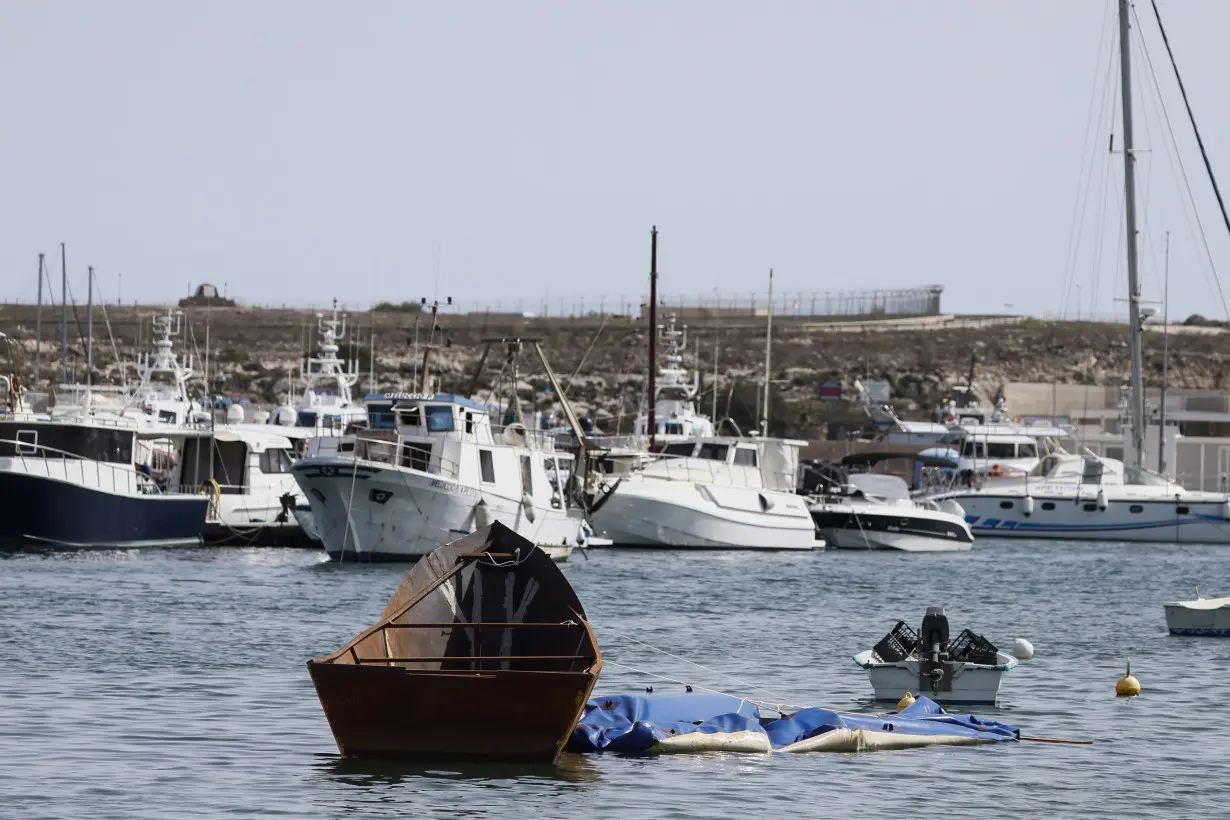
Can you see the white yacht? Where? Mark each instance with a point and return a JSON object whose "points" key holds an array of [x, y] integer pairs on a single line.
{"points": [[701, 490], [1094, 498], [875, 511], [428, 470]]}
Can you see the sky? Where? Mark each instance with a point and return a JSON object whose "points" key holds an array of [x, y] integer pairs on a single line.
{"points": [[295, 151]]}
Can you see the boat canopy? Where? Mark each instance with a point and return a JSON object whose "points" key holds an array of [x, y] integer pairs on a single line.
{"points": [[880, 485]]}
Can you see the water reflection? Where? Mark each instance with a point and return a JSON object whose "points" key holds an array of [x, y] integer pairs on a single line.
{"points": [[368, 773]]}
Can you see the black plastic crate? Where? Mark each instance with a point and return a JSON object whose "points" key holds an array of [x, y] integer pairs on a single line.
{"points": [[898, 644], [973, 648]]}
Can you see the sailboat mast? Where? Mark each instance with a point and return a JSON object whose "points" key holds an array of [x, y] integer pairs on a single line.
{"points": [[768, 349], [64, 315], [1137, 412], [653, 331], [89, 323], [38, 325]]}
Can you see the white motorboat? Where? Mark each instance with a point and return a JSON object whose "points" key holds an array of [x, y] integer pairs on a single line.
{"points": [[1205, 617], [697, 489], [965, 670], [1093, 498], [875, 511], [428, 470]]}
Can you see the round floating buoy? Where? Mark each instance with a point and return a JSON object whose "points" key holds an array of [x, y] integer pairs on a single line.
{"points": [[1128, 686], [1022, 649], [907, 700]]}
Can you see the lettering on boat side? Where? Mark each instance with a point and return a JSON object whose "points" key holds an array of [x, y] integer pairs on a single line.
{"points": [[455, 489]]}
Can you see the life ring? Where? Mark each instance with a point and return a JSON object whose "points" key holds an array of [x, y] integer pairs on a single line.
{"points": [[996, 471]]}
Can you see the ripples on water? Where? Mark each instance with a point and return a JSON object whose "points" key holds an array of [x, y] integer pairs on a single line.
{"points": [[172, 683]]}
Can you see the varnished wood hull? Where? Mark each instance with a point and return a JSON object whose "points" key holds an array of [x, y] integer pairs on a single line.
{"points": [[506, 715]]}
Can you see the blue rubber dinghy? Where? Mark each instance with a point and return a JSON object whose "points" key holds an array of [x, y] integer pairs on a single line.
{"points": [[701, 722]]}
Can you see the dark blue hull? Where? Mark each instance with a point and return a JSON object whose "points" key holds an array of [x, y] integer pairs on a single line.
{"points": [[34, 509]]}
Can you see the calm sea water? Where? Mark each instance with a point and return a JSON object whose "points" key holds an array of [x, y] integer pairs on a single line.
{"points": [[172, 684]]}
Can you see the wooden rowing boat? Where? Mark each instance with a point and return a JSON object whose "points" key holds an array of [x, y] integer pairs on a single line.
{"points": [[484, 652]]}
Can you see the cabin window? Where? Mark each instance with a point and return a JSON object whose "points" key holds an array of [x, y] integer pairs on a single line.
{"points": [[27, 442], [1001, 449], [275, 460], [410, 417], [674, 428], [167, 415], [469, 422], [345, 446], [1005, 505], [1027, 450], [1136, 508], [679, 448], [527, 479], [1182, 510], [486, 466], [381, 420], [307, 418], [416, 456], [973, 449], [714, 452], [1091, 507], [440, 419], [1048, 505], [745, 456]]}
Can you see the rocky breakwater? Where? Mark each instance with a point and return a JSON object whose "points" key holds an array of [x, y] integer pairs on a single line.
{"points": [[256, 353]]}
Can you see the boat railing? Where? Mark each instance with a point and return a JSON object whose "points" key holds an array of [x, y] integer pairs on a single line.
{"points": [[52, 462], [477, 660]]}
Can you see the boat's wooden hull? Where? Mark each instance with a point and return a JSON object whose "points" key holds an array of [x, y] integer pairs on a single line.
{"points": [[507, 715]]}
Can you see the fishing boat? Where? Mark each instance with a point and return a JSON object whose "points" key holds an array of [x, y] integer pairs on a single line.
{"points": [[431, 468], [1205, 617], [80, 484], [966, 669], [326, 406], [483, 652]]}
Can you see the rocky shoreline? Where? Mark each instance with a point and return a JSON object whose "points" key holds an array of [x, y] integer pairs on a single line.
{"points": [[603, 359]]}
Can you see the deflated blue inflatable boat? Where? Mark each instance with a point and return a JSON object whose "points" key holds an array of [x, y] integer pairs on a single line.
{"points": [[702, 722]]}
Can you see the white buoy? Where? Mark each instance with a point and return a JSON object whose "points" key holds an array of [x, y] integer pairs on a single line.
{"points": [[1027, 506], [1022, 649]]}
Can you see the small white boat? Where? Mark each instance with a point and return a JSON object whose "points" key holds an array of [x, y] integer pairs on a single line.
{"points": [[875, 511], [965, 670], [1206, 617]]}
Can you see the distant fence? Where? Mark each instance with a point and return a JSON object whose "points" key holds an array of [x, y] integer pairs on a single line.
{"points": [[919, 301]]}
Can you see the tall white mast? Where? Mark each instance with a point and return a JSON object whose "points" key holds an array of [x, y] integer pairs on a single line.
{"points": [[768, 348], [1137, 408]]}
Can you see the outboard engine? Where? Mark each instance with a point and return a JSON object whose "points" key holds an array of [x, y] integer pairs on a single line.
{"points": [[934, 671]]}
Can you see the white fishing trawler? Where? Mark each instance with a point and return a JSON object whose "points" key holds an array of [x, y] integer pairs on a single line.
{"points": [[327, 405], [431, 468]]}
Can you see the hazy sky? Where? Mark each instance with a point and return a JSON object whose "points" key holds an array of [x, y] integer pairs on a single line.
{"points": [[301, 150]]}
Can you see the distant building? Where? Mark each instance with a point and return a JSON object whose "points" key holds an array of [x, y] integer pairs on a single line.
{"points": [[206, 294]]}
